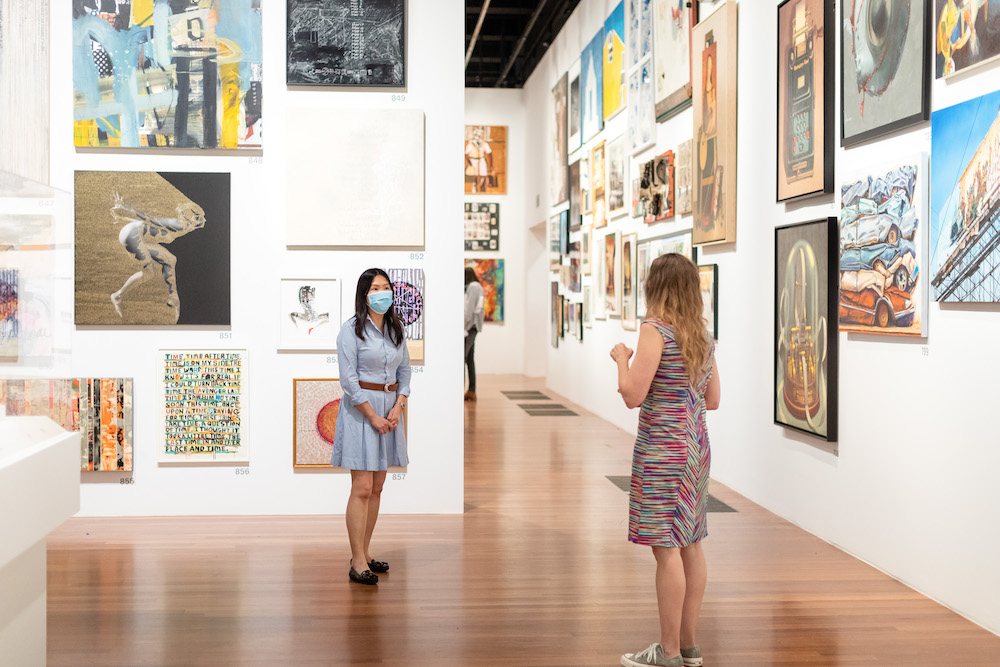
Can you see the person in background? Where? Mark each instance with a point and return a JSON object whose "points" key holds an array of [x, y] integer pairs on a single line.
{"points": [[475, 312], [370, 434], [673, 380]]}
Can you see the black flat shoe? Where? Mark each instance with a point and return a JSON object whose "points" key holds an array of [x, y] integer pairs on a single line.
{"points": [[378, 566], [366, 577]]}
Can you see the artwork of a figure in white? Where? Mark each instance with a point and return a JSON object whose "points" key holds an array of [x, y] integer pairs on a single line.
{"points": [[144, 237], [308, 314], [479, 160]]}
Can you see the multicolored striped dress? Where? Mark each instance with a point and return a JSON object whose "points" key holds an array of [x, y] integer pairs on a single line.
{"points": [[669, 493]]}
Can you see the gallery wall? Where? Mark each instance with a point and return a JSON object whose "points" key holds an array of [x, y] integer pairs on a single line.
{"points": [[500, 348], [910, 485], [433, 481]]}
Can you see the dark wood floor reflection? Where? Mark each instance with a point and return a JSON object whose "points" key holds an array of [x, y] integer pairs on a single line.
{"points": [[536, 572]]}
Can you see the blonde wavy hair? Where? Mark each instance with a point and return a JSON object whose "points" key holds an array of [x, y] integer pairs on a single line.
{"points": [[673, 296]]}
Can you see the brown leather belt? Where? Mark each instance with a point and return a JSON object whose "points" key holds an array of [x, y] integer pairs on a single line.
{"points": [[375, 386]]}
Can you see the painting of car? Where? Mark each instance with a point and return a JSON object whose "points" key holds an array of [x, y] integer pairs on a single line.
{"points": [[865, 230], [869, 308], [898, 260]]}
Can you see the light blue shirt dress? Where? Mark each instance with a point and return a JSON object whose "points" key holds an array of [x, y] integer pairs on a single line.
{"points": [[356, 443]]}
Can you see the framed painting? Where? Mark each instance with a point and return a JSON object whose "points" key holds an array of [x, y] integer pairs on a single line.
{"points": [[10, 321], [673, 21], [491, 277], [485, 159], [373, 194], [408, 301], [25, 47], [714, 76], [345, 43], [805, 328], [964, 228], [629, 260], [883, 248], [709, 275], [211, 429], [641, 119], [597, 184], [612, 275], [968, 35], [885, 68], [556, 314], [482, 226], [663, 168], [104, 418], [564, 233], [145, 78], [558, 188], [575, 274], [152, 248], [315, 405], [805, 98], [563, 324], [574, 116], [682, 178], [640, 30], [649, 249], [555, 243], [575, 216], [599, 279], [616, 177], [638, 208], [613, 58], [592, 86], [586, 193], [585, 235], [586, 307], [309, 314]]}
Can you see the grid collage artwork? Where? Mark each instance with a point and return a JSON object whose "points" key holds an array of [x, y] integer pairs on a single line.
{"points": [[910, 230]]}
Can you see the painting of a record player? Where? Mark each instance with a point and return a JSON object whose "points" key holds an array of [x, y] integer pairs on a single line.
{"points": [[805, 328]]}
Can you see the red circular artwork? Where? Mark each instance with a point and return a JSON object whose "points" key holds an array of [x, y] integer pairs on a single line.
{"points": [[326, 421]]}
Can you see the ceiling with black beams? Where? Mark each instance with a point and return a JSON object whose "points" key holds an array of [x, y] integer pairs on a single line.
{"points": [[505, 39]]}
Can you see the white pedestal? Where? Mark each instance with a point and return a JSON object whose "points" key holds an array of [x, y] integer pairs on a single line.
{"points": [[39, 489]]}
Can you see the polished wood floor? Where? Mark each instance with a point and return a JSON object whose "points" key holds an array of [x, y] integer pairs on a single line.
{"points": [[536, 572]]}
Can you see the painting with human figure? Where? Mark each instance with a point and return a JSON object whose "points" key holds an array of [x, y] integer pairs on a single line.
{"points": [[309, 314], [152, 248], [485, 159]]}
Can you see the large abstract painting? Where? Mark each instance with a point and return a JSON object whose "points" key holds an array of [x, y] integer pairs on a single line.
{"points": [[648, 250], [491, 277], [308, 314], [408, 301], [574, 118], [346, 43], [883, 249], [204, 406], [10, 329], [641, 118], [482, 226], [152, 248], [965, 201], [372, 194], [640, 30], [673, 21], [614, 61], [558, 190], [885, 67], [485, 159], [805, 98], [592, 86], [968, 34], [805, 328], [714, 77], [25, 43], [167, 74]]}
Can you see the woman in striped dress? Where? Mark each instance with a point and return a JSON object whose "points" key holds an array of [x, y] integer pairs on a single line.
{"points": [[673, 379]]}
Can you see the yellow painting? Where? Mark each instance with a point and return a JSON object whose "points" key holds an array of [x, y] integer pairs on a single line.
{"points": [[614, 61]]}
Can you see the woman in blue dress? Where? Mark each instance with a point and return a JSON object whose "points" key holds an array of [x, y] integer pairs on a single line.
{"points": [[370, 436]]}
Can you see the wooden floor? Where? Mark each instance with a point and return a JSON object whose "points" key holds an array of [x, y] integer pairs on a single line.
{"points": [[536, 572]]}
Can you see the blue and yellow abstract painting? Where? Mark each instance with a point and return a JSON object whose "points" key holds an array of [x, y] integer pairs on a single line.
{"points": [[167, 73], [592, 87], [613, 57]]}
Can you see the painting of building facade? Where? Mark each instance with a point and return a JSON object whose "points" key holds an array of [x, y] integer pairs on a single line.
{"points": [[152, 248], [485, 159], [592, 86], [164, 74], [613, 57], [346, 43]]}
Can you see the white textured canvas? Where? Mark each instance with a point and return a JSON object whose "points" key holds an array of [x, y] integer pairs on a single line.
{"points": [[355, 177]]}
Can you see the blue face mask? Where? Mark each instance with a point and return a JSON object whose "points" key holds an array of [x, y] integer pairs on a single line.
{"points": [[380, 302]]}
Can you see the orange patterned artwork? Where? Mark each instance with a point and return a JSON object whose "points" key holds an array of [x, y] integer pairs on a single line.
{"points": [[491, 277]]}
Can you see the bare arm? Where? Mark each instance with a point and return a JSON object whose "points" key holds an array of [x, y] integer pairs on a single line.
{"points": [[713, 392], [634, 382]]}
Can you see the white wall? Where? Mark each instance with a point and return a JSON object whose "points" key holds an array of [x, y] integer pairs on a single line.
{"points": [[500, 347], [434, 482], [910, 487]]}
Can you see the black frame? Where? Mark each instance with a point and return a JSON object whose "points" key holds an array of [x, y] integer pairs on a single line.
{"points": [[403, 44], [715, 297], [829, 37], [832, 329], [925, 81]]}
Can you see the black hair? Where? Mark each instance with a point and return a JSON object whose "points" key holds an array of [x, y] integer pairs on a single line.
{"points": [[393, 328], [470, 276]]}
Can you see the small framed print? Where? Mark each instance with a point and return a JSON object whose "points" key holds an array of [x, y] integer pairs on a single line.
{"points": [[309, 314]]}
